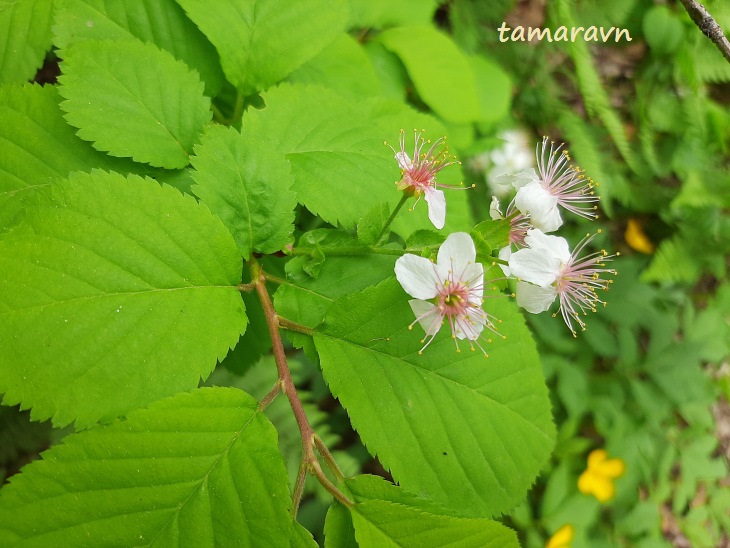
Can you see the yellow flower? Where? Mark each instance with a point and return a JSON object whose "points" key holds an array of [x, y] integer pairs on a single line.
{"points": [[637, 238], [598, 478], [562, 537]]}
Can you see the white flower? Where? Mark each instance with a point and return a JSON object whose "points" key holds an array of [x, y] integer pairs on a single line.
{"points": [[451, 289], [542, 207], [555, 183], [418, 174], [546, 269], [514, 156]]}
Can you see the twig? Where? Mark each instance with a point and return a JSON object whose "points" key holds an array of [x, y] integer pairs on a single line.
{"points": [[309, 458], [708, 25]]}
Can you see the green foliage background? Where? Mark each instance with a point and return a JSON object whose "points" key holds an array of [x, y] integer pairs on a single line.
{"points": [[310, 90]]}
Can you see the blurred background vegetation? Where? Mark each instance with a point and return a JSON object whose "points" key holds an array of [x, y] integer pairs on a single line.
{"points": [[649, 380]]}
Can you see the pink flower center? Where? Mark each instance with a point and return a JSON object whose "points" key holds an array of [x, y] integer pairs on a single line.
{"points": [[453, 299]]}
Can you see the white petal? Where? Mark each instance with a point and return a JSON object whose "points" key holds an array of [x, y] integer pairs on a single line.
{"points": [[465, 329], [535, 266], [417, 275], [535, 299], [505, 254], [552, 245], [456, 253], [404, 162], [542, 207], [494, 211], [525, 177], [473, 276], [436, 206], [427, 316]]}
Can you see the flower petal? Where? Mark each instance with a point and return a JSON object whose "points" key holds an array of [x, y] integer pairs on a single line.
{"points": [[427, 316], [404, 161], [535, 266], [533, 298], [552, 245], [525, 177], [436, 206], [505, 254], [494, 211], [456, 253], [473, 277], [542, 207], [417, 275]]}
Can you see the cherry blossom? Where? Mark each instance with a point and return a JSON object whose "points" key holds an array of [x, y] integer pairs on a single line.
{"points": [[419, 170], [547, 270], [554, 184], [448, 291]]}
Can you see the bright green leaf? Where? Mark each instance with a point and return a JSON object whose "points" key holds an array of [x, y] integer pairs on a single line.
{"points": [[494, 89], [260, 42], [37, 146], [384, 524], [246, 183], [201, 467], [115, 292], [371, 225], [441, 73], [301, 538], [161, 22], [469, 432], [382, 13], [338, 529], [343, 66], [134, 100], [341, 167], [25, 27]]}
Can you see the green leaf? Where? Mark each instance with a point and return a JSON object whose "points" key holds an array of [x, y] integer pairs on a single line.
{"points": [[383, 524], [409, 520], [494, 89], [469, 432], [246, 183], [134, 100], [382, 13], [202, 467], [260, 42], [115, 292], [301, 538], [338, 529], [440, 72], [37, 146], [338, 160], [663, 30], [371, 225], [343, 66], [492, 233], [161, 22], [25, 26], [341, 167]]}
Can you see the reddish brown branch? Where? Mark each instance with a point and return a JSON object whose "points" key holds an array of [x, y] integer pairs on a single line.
{"points": [[309, 458]]}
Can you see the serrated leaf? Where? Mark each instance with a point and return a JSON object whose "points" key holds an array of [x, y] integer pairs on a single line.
{"points": [[133, 100], [343, 66], [493, 233], [383, 524], [440, 72], [371, 225], [115, 292], [202, 467], [301, 538], [246, 182], [37, 146], [261, 42], [337, 157], [25, 26], [341, 168], [469, 432], [161, 22], [338, 529]]}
